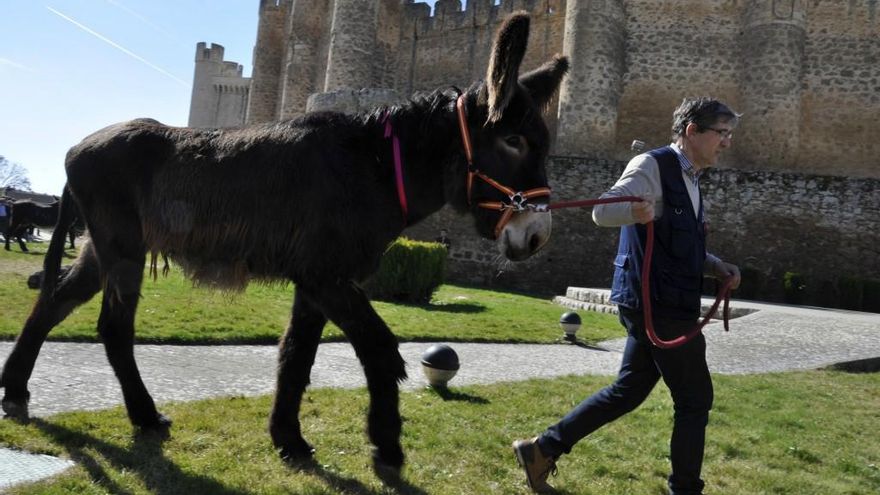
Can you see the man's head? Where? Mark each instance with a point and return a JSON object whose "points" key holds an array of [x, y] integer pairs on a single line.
{"points": [[703, 127]]}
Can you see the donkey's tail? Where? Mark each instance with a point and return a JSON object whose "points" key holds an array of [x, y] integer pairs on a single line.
{"points": [[52, 261]]}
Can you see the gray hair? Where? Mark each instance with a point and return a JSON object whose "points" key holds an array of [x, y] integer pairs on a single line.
{"points": [[704, 112]]}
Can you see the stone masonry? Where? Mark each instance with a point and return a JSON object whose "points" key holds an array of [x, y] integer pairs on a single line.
{"points": [[796, 192], [767, 222]]}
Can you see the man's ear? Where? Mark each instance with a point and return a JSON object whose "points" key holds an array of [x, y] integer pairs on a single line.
{"points": [[691, 129]]}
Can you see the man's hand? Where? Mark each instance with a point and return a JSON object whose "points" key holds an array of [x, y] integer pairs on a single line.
{"points": [[643, 211], [724, 270]]}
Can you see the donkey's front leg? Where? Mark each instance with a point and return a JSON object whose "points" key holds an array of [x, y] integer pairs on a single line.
{"points": [[295, 359], [348, 307]]}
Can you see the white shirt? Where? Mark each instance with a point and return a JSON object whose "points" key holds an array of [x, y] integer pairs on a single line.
{"points": [[641, 178]]}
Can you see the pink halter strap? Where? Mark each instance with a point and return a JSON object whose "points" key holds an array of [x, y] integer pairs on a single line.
{"points": [[398, 165]]}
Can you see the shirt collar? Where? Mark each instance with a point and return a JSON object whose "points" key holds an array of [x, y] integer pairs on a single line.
{"points": [[686, 165]]}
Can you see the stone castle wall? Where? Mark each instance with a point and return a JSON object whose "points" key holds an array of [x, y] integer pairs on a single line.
{"points": [[768, 223], [797, 191], [806, 74]]}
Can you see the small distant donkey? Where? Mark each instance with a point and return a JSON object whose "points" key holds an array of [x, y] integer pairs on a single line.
{"points": [[335, 196], [25, 214]]}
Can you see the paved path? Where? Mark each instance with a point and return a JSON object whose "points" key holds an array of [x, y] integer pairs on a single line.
{"points": [[774, 338]]}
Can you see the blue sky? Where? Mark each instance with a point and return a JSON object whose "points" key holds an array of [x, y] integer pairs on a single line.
{"points": [[71, 67]]}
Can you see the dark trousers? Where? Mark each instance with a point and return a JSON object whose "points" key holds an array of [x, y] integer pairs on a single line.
{"points": [[684, 371]]}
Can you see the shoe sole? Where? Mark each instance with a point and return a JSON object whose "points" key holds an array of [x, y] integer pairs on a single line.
{"points": [[520, 459]]}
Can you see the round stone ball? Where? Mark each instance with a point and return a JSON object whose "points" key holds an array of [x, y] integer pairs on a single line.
{"points": [[439, 363], [570, 323], [570, 318]]}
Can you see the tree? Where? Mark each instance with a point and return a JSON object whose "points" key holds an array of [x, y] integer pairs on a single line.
{"points": [[13, 175]]}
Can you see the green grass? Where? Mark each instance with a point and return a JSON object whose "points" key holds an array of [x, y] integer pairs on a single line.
{"points": [[791, 433], [172, 311]]}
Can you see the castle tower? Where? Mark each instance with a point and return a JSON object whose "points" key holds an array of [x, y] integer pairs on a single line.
{"points": [[772, 47], [595, 41], [209, 62], [220, 93], [269, 58], [352, 58], [302, 59], [352, 45]]}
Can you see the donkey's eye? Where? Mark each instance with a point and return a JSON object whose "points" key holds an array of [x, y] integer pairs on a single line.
{"points": [[515, 141]]}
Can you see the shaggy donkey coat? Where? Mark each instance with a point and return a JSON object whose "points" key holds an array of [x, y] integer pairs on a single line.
{"points": [[313, 201]]}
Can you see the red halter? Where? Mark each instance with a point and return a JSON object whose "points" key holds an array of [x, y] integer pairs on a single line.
{"points": [[517, 200]]}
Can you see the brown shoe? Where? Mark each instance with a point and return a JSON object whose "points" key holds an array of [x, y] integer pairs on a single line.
{"points": [[537, 466]]}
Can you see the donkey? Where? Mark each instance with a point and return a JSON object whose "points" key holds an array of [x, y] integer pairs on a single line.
{"points": [[24, 214], [337, 197]]}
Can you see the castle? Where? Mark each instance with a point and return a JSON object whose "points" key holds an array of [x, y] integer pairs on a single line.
{"points": [[805, 74]]}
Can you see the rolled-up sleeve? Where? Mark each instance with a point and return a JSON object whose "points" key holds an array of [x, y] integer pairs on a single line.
{"points": [[641, 178]]}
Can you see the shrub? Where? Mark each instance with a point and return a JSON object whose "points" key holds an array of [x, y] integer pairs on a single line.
{"points": [[410, 271], [871, 296], [794, 286], [751, 284], [850, 292]]}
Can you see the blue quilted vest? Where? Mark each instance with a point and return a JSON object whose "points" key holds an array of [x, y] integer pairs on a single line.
{"points": [[679, 251]]}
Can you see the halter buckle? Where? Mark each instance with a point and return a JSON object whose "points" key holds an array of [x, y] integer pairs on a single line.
{"points": [[518, 201]]}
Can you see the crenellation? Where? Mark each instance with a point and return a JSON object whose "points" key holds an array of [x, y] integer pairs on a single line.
{"points": [[268, 6], [417, 11], [443, 8], [214, 52], [231, 69], [783, 62]]}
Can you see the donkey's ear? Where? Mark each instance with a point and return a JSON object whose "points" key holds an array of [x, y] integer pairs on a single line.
{"points": [[543, 82], [507, 54]]}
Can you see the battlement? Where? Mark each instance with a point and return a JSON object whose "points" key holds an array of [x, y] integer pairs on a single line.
{"points": [[214, 53], [274, 4], [449, 14], [231, 69]]}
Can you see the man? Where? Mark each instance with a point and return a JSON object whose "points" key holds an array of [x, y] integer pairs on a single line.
{"points": [[443, 238], [668, 180], [4, 215]]}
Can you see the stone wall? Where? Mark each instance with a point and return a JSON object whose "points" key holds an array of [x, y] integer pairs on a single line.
{"points": [[806, 74], [796, 192], [823, 227]]}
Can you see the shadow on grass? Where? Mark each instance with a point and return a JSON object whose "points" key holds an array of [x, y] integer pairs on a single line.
{"points": [[145, 458], [453, 308], [343, 484], [448, 395], [462, 308]]}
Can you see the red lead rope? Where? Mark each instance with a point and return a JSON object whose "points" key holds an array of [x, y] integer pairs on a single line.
{"points": [[723, 294]]}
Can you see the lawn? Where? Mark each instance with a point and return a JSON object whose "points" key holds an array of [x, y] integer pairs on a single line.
{"points": [[798, 433], [172, 311], [790, 433]]}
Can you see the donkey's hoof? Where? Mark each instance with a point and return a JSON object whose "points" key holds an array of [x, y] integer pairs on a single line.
{"points": [[16, 409], [387, 470], [296, 452], [157, 423]]}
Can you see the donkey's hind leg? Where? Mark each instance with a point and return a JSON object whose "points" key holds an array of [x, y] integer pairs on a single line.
{"points": [[295, 359], [347, 306], [116, 328], [77, 285]]}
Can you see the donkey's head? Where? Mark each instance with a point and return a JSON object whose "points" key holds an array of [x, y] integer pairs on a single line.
{"points": [[507, 187]]}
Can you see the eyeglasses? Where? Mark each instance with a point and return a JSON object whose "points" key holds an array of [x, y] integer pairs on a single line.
{"points": [[724, 133]]}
